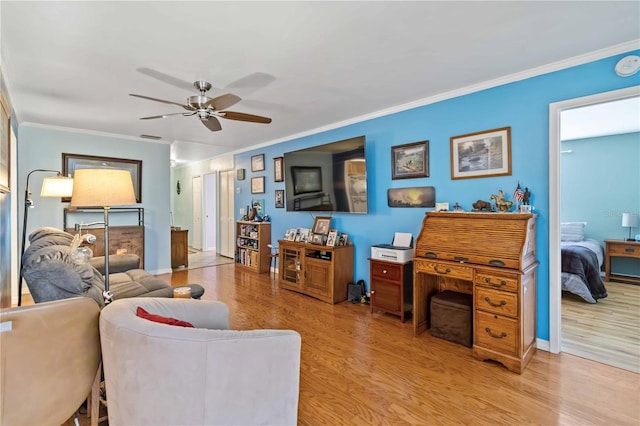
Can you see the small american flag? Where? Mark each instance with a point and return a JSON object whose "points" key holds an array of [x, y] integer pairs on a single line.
{"points": [[518, 195]]}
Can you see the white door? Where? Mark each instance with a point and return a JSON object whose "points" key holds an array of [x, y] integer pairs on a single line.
{"points": [[196, 235], [210, 211], [226, 228]]}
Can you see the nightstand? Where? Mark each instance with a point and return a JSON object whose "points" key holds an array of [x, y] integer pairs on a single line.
{"points": [[620, 248], [391, 287]]}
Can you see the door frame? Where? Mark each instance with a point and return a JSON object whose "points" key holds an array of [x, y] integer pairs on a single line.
{"points": [[555, 286]]}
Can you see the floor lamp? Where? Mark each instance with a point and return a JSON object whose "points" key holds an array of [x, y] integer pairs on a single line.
{"points": [[105, 188], [58, 186]]}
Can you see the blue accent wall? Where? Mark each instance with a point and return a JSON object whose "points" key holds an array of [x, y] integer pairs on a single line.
{"points": [[600, 179], [522, 105]]}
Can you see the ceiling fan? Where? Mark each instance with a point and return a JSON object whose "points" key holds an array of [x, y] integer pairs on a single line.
{"points": [[208, 109]]}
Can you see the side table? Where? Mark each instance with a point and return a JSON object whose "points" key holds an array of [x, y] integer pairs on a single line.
{"points": [[620, 248]]}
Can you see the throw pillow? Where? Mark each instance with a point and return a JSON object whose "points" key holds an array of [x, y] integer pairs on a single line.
{"points": [[140, 312]]}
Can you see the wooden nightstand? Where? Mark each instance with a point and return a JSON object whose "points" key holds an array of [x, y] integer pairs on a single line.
{"points": [[620, 248], [391, 287]]}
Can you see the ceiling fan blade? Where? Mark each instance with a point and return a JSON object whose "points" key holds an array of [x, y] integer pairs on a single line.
{"points": [[240, 116], [223, 101], [212, 124], [158, 100], [166, 78], [163, 115]]}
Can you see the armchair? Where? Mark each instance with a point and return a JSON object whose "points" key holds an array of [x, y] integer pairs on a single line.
{"points": [[49, 360], [157, 374]]}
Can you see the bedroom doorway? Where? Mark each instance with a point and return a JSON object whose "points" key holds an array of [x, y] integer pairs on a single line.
{"points": [[607, 349]]}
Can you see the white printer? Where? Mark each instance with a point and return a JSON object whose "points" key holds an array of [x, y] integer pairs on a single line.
{"points": [[399, 251]]}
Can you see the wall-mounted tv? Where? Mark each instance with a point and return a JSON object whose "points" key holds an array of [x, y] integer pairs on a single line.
{"points": [[329, 178]]}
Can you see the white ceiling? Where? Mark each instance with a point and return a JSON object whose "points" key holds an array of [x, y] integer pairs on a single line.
{"points": [[307, 65]]}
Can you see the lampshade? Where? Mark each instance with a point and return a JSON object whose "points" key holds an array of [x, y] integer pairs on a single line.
{"points": [[629, 220], [102, 187], [58, 186]]}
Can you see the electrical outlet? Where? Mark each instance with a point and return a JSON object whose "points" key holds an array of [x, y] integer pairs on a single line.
{"points": [[241, 210]]}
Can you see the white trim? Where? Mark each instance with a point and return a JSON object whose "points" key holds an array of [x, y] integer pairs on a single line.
{"points": [[93, 132], [542, 345], [555, 288]]}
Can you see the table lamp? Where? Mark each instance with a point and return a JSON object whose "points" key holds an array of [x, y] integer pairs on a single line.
{"points": [[58, 186], [104, 188], [630, 220]]}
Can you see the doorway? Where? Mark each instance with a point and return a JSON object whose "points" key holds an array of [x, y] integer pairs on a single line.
{"points": [[555, 287], [210, 211], [196, 196], [226, 223]]}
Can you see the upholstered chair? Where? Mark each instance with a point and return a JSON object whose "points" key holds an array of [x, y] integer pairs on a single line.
{"points": [[50, 353], [159, 374]]}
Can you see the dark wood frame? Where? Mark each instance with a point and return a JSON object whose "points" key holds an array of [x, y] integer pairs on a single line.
{"points": [[240, 174], [484, 137], [423, 151], [255, 181], [278, 169], [318, 221], [279, 205], [5, 147], [71, 161], [257, 163]]}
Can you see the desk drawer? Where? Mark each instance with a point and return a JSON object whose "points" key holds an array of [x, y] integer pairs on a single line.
{"points": [[621, 249], [496, 280], [387, 271], [499, 302], [496, 332], [444, 269]]}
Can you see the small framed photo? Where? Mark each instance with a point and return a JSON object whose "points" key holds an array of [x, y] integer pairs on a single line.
{"points": [[332, 238], [278, 169], [240, 174], [257, 185], [410, 160], [257, 163], [321, 225], [279, 198], [317, 238], [304, 234], [343, 240], [481, 154]]}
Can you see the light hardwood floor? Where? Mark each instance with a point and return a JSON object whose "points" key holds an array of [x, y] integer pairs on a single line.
{"points": [[360, 368], [608, 331]]}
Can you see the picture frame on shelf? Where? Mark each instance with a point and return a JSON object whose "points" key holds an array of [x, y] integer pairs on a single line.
{"points": [[304, 235], [278, 169], [321, 225], [481, 154], [5, 146], [279, 198], [71, 162], [317, 238], [343, 240], [257, 185], [257, 163], [410, 160], [332, 237]]}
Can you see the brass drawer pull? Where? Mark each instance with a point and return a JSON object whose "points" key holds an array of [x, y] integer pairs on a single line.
{"points": [[500, 284], [496, 262], [495, 305], [495, 336], [629, 250], [430, 255], [446, 271], [461, 259]]}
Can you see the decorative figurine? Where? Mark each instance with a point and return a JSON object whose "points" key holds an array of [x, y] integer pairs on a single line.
{"points": [[526, 196], [482, 206], [457, 208], [501, 204]]}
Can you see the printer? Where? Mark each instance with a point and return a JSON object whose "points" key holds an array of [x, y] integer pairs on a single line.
{"points": [[399, 251]]}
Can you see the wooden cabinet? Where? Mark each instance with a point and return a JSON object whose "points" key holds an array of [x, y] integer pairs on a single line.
{"points": [[252, 250], [318, 271], [619, 248], [179, 248], [493, 257], [391, 287]]}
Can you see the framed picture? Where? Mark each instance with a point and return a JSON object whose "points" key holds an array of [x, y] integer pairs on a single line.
{"points": [[257, 163], [317, 238], [343, 240], [419, 196], [481, 154], [332, 238], [5, 145], [410, 160], [240, 174], [73, 162], [321, 225], [278, 169], [279, 198], [258, 204], [257, 185]]}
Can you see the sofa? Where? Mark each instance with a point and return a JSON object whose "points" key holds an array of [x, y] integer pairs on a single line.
{"points": [[51, 274], [159, 374]]}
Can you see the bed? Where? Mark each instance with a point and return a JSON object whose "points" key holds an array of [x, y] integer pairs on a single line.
{"points": [[582, 260]]}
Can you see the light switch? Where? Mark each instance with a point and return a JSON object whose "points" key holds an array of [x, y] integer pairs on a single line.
{"points": [[241, 210]]}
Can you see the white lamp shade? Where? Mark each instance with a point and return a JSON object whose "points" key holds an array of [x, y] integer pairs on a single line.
{"points": [[629, 220], [58, 186], [102, 187]]}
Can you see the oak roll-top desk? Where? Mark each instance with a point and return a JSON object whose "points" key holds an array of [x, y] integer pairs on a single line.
{"points": [[493, 257]]}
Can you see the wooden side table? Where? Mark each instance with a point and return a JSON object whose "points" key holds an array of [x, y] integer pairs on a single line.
{"points": [[620, 248], [391, 287], [179, 248]]}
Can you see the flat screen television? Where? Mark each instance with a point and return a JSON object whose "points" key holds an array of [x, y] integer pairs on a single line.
{"points": [[327, 178]]}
